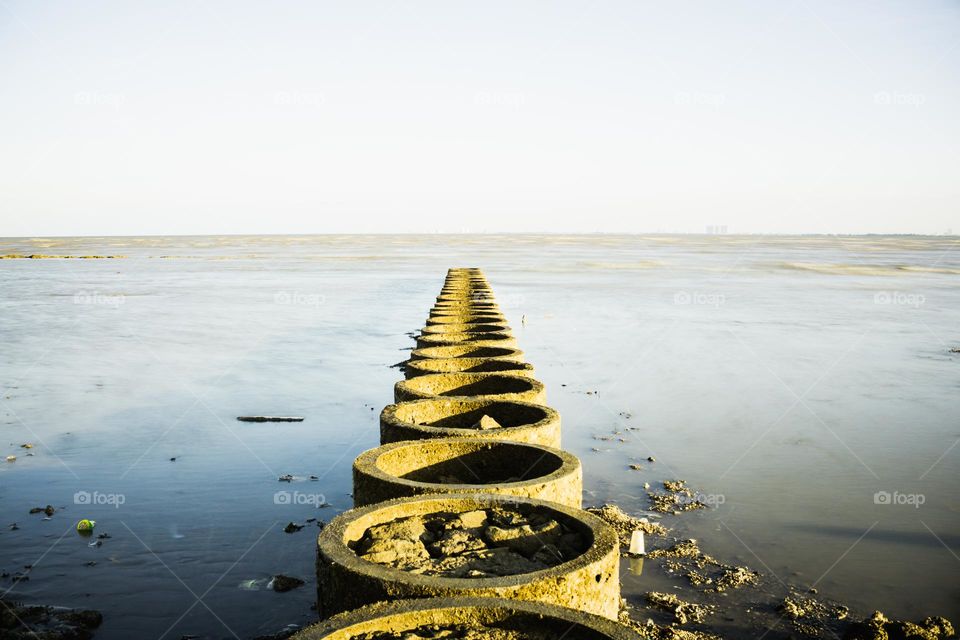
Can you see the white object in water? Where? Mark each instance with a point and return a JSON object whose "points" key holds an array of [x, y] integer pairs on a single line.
{"points": [[636, 543]]}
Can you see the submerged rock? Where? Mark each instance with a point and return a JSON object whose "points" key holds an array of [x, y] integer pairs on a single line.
{"points": [[879, 627], [20, 622], [282, 583]]}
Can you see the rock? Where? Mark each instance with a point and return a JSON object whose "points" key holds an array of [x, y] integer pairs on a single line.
{"points": [[683, 612], [47, 510], [879, 627], [292, 527], [626, 524], [486, 422], [282, 583], [20, 622], [473, 519]]}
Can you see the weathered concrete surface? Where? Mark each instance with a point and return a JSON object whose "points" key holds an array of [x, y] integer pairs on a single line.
{"points": [[588, 582], [468, 350], [490, 338], [427, 366], [467, 465], [498, 386], [465, 417], [401, 616]]}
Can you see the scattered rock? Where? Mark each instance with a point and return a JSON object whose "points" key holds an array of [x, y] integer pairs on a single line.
{"points": [[486, 422], [47, 510], [282, 583], [292, 527], [626, 524], [286, 478], [20, 622], [473, 544], [879, 627], [679, 497], [636, 467], [683, 612]]}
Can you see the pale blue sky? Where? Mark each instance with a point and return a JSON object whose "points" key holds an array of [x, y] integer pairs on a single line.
{"points": [[311, 117]]}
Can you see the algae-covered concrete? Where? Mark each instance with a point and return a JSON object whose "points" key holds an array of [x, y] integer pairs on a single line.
{"points": [[428, 366], [468, 350], [499, 386], [470, 418], [460, 465]]}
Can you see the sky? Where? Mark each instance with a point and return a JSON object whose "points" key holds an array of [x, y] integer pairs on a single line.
{"points": [[794, 116]]}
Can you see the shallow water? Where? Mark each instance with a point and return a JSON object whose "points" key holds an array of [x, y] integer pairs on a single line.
{"points": [[789, 379]]}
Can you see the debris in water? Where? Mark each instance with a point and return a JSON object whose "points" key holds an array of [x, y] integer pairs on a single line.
{"points": [[292, 527], [270, 418], [86, 526], [636, 543]]}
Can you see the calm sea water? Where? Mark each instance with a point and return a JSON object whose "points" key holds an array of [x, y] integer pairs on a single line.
{"points": [[804, 384]]}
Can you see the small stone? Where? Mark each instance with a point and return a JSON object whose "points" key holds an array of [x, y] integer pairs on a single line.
{"points": [[282, 583], [473, 519], [292, 527], [486, 422]]}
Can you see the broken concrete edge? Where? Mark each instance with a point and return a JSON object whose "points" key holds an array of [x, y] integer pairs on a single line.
{"points": [[468, 350], [406, 615], [372, 483], [430, 366], [506, 387], [395, 428], [589, 582]]}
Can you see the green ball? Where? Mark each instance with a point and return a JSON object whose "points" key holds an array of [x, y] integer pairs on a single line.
{"points": [[86, 525]]}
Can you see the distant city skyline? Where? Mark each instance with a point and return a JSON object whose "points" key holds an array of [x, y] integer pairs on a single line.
{"points": [[182, 118]]}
